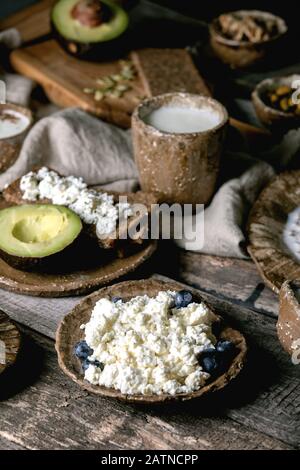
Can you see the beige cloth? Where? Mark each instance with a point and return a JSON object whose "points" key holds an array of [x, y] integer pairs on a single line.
{"points": [[75, 143]]}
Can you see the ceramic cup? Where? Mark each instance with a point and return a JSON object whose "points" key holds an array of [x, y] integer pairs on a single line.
{"points": [[10, 144], [178, 167]]}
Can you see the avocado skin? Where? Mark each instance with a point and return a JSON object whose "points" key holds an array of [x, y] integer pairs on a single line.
{"points": [[82, 253], [96, 51]]}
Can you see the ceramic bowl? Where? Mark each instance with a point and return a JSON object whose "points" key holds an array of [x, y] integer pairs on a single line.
{"points": [[275, 120], [242, 54]]}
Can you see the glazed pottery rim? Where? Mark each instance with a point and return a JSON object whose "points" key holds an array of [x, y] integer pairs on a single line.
{"points": [[22, 110], [224, 117], [247, 44], [291, 284], [260, 88]]}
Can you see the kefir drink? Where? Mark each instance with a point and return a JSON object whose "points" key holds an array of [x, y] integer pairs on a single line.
{"points": [[12, 123], [183, 120]]}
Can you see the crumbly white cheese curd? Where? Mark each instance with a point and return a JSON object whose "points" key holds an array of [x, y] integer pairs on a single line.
{"points": [[148, 346], [91, 206]]}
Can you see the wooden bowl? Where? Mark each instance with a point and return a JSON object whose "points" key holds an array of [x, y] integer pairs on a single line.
{"points": [[69, 333], [275, 120], [243, 54], [288, 325]]}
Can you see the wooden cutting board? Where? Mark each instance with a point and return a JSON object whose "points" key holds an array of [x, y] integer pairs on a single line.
{"points": [[64, 77]]}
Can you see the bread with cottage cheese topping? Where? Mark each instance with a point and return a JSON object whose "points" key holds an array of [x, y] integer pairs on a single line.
{"points": [[117, 237]]}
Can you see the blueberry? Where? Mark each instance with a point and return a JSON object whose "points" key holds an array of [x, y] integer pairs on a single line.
{"points": [[82, 350], [183, 298], [98, 364], [225, 346], [210, 363], [85, 364], [209, 359], [115, 299]]}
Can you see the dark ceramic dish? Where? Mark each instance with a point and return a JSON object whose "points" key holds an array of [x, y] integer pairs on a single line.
{"points": [[243, 54]]}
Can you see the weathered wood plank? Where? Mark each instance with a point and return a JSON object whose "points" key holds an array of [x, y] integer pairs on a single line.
{"points": [[7, 444], [45, 410]]}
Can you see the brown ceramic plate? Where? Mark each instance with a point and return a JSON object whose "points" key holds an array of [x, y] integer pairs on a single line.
{"points": [[265, 227], [288, 325], [75, 283], [9, 342], [69, 333]]}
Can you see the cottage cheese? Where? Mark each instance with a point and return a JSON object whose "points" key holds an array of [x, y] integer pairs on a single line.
{"points": [[147, 346], [91, 206]]}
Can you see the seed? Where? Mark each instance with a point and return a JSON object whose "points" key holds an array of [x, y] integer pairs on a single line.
{"points": [[283, 90], [284, 105], [116, 77], [98, 95]]}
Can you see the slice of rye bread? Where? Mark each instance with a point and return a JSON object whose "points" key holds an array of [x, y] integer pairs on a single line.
{"points": [[115, 240], [168, 70]]}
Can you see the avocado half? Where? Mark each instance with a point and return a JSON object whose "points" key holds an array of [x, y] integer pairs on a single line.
{"points": [[90, 29], [39, 236]]}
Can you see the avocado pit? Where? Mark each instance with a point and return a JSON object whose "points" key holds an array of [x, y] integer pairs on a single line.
{"points": [[91, 13], [90, 29]]}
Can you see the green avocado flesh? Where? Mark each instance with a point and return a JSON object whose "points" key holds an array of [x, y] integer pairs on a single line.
{"points": [[37, 230], [71, 28]]}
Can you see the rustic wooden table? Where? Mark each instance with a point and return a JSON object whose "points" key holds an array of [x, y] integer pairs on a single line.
{"points": [[40, 408]]}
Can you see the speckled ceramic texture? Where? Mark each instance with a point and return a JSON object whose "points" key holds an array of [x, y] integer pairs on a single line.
{"points": [[288, 325], [243, 54], [265, 228], [275, 120], [180, 168], [10, 147], [10, 336], [69, 333]]}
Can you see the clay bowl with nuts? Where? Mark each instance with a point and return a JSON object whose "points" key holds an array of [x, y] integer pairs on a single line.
{"points": [[273, 103], [245, 38], [69, 334], [288, 325]]}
